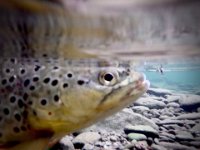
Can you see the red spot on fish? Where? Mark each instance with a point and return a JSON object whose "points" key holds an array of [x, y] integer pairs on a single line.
{"points": [[2, 91]]}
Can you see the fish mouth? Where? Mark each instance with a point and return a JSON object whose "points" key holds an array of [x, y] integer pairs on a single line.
{"points": [[141, 85], [143, 82]]}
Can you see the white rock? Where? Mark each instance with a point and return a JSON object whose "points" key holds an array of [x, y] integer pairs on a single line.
{"points": [[150, 103], [87, 137]]}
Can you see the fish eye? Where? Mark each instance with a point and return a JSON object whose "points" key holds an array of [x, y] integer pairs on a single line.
{"points": [[108, 78]]}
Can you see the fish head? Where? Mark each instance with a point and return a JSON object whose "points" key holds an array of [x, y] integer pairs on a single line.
{"points": [[90, 94]]}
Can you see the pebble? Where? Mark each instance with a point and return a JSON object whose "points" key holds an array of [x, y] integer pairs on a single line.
{"points": [[176, 146], [171, 121], [189, 116], [173, 104], [150, 103], [140, 109], [173, 98], [184, 135], [171, 136], [113, 138], [87, 137], [88, 146], [196, 128], [144, 129], [159, 92], [190, 102], [136, 136], [157, 147]]}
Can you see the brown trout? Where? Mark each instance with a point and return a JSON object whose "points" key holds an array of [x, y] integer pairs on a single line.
{"points": [[46, 99]]}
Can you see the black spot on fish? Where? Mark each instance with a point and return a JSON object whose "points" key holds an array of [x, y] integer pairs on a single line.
{"points": [[17, 117], [65, 85], [37, 68], [7, 70], [69, 75], [4, 82], [6, 111], [44, 55], [12, 60], [20, 103], [56, 98], [55, 67], [34, 113], [80, 82], [54, 82], [1, 134], [35, 79], [43, 102], [12, 99], [46, 80], [22, 71], [25, 96], [32, 88], [26, 82], [11, 79]]}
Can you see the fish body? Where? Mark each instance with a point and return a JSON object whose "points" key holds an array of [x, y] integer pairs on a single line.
{"points": [[46, 99]]}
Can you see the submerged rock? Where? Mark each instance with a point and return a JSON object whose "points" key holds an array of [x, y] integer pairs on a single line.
{"points": [[184, 135], [173, 104], [190, 102], [171, 121], [196, 129], [143, 129], [157, 147], [150, 103], [189, 116], [176, 146], [159, 92], [140, 109], [118, 121], [173, 98], [87, 137], [136, 136]]}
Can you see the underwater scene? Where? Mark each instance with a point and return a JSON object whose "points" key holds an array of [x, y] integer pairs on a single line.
{"points": [[99, 75], [180, 76]]}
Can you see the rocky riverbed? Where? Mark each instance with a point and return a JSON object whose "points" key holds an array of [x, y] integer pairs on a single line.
{"points": [[160, 120]]}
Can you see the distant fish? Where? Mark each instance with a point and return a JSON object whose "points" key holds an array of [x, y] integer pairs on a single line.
{"points": [[42, 100], [160, 69]]}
